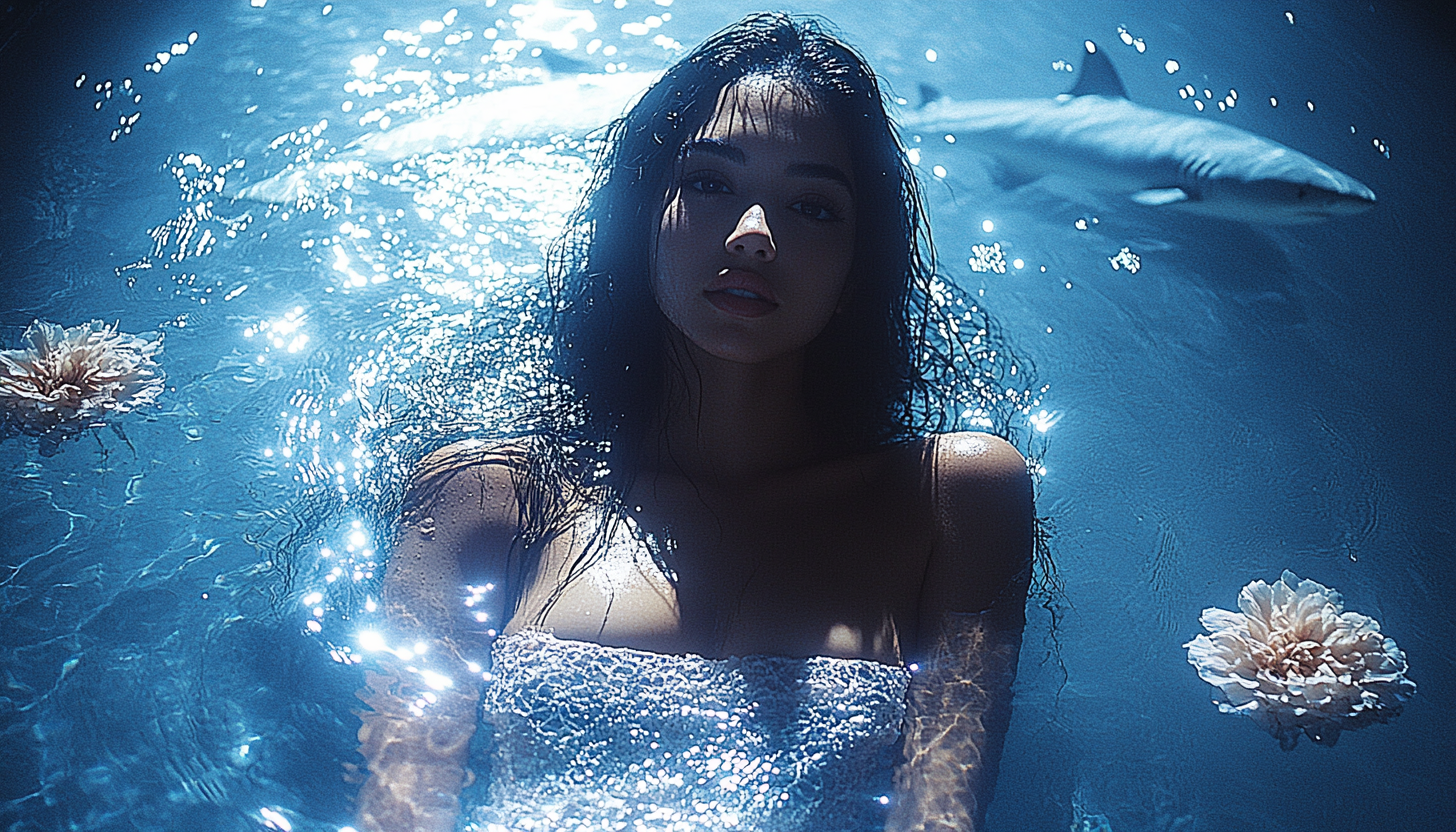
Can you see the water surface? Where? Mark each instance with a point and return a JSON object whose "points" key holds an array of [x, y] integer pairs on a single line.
{"points": [[1250, 399]]}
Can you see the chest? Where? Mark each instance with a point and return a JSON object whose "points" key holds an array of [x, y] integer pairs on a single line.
{"points": [[826, 562], [723, 739]]}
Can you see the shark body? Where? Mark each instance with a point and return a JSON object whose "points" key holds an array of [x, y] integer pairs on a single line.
{"points": [[1094, 135], [572, 105], [1098, 137]]}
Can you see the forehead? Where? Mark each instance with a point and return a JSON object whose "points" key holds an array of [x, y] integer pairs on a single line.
{"points": [[759, 109]]}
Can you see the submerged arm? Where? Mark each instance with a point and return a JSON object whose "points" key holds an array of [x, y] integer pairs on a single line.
{"points": [[416, 734], [971, 620], [958, 709]]}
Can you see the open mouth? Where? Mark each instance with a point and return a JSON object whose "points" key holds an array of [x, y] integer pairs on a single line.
{"points": [[741, 293], [744, 293], [741, 302]]}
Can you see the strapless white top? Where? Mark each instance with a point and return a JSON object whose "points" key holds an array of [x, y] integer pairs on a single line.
{"points": [[607, 738]]}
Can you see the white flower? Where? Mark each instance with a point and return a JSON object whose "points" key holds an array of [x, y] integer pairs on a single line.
{"points": [[1294, 661], [68, 380]]}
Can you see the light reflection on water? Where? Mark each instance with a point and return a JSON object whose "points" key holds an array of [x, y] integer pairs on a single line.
{"points": [[304, 328]]}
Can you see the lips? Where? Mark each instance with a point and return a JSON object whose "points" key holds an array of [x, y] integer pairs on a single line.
{"points": [[742, 293]]}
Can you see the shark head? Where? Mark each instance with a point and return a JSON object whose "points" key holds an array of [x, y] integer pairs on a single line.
{"points": [[1313, 203], [1302, 191]]}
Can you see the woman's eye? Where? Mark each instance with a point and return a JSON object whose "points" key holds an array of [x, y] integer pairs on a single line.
{"points": [[815, 210], [707, 184]]}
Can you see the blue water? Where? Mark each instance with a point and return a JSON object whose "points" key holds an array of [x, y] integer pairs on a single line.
{"points": [[1251, 399]]}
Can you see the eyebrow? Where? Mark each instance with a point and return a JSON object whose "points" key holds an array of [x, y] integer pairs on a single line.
{"points": [[724, 150], [714, 147], [817, 171]]}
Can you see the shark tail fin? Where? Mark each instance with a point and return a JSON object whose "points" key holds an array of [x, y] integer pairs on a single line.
{"points": [[1097, 76]]}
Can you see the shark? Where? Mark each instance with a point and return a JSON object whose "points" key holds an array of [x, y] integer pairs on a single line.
{"points": [[572, 105], [1093, 134], [566, 104]]}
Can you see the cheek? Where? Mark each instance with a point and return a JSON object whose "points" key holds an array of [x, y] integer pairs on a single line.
{"points": [[667, 227], [838, 259], [666, 260]]}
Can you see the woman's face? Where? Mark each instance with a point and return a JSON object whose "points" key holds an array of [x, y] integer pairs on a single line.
{"points": [[757, 233]]}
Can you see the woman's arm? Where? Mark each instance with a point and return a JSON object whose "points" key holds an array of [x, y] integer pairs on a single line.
{"points": [[460, 513], [972, 612]]}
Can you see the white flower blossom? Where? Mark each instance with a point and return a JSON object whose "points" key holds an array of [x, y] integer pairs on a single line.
{"points": [[1293, 660], [66, 380]]}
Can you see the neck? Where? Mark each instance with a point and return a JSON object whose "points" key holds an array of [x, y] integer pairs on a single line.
{"points": [[723, 422]]}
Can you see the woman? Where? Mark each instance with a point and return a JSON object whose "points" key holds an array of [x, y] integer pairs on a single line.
{"points": [[735, 527]]}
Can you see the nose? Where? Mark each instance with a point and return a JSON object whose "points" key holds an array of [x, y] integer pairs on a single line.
{"points": [[752, 237]]}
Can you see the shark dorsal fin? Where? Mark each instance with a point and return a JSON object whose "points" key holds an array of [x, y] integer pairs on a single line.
{"points": [[1097, 76]]}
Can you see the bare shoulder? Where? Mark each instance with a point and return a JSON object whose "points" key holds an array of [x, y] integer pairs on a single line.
{"points": [[470, 485], [480, 458], [966, 457], [985, 522], [981, 484], [473, 456], [459, 519]]}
